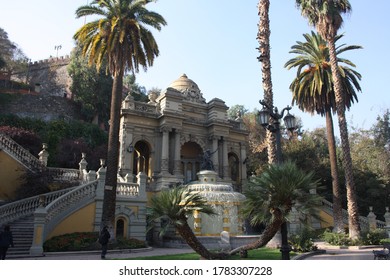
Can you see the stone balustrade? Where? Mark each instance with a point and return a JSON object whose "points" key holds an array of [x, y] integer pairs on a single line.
{"points": [[18, 152], [25, 207], [127, 189]]}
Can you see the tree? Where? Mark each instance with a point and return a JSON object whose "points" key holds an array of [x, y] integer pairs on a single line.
{"points": [[121, 37], [90, 88], [326, 16], [235, 111], [271, 196], [12, 58], [313, 92], [176, 205], [263, 36]]}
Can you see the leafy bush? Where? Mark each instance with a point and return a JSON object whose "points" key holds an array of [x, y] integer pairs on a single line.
{"points": [[303, 241], [338, 239], [85, 241], [374, 237]]}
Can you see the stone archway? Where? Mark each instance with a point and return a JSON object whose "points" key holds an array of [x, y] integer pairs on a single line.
{"points": [[191, 157], [141, 158]]}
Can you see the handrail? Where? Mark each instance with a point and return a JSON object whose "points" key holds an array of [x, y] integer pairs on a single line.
{"points": [[70, 198], [20, 153], [67, 203], [364, 223], [25, 207]]}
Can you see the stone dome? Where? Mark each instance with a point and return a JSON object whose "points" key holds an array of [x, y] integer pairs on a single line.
{"points": [[183, 84], [188, 88]]}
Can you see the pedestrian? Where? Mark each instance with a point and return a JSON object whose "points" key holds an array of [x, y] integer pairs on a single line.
{"points": [[6, 240], [103, 240]]}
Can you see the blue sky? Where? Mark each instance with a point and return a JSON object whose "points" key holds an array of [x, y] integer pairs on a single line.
{"points": [[214, 43]]}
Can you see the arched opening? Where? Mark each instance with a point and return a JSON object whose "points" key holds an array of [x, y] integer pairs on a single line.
{"points": [[120, 228], [191, 157], [141, 158]]}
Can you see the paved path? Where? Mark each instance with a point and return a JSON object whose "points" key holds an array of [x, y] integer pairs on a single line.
{"points": [[331, 253], [95, 255]]}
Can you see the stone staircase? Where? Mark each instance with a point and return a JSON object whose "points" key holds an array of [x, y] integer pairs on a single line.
{"points": [[22, 232]]}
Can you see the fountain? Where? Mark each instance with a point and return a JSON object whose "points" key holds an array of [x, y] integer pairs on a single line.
{"points": [[224, 200]]}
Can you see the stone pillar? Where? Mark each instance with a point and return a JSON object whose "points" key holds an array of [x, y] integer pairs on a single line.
{"points": [[371, 219], [243, 162], [225, 160], [215, 153], [387, 219], [141, 180], [165, 150], [126, 151], [177, 161], [44, 154], [101, 177], [40, 214]]}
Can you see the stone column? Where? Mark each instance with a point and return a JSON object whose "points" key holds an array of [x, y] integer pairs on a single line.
{"points": [[215, 153], [243, 163], [387, 219], [225, 160], [177, 161], [101, 176], [40, 214], [165, 150], [141, 180]]}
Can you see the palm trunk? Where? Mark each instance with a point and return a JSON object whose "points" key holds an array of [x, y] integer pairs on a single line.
{"points": [[268, 233], [108, 215], [337, 208], [188, 235], [263, 36], [353, 214]]}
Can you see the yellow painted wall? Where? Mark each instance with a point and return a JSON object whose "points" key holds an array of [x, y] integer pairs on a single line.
{"points": [[326, 220], [11, 172], [80, 221]]}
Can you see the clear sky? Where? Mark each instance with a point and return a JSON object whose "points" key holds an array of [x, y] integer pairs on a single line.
{"points": [[214, 43]]}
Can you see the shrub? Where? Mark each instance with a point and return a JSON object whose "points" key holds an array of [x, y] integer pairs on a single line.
{"points": [[374, 237], [338, 239], [86, 241], [303, 241]]}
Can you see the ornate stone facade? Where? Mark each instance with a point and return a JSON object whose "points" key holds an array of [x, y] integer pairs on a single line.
{"points": [[167, 137]]}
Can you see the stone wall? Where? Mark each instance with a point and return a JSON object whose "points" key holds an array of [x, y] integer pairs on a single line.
{"points": [[49, 76], [41, 106]]}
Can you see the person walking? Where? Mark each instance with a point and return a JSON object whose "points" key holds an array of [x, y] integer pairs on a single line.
{"points": [[6, 240], [103, 240]]}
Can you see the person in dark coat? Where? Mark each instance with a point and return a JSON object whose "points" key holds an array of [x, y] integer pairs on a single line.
{"points": [[103, 240], [6, 240]]}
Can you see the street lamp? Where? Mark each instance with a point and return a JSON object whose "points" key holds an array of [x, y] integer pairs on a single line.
{"points": [[266, 113], [264, 116]]}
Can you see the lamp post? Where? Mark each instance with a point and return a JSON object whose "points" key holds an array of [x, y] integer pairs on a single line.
{"points": [[264, 116]]}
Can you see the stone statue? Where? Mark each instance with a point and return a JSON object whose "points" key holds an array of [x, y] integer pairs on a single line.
{"points": [[207, 162]]}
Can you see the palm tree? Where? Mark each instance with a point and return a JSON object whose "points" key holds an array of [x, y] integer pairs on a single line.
{"points": [[263, 37], [176, 205], [326, 16], [271, 196], [313, 92], [120, 36]]}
